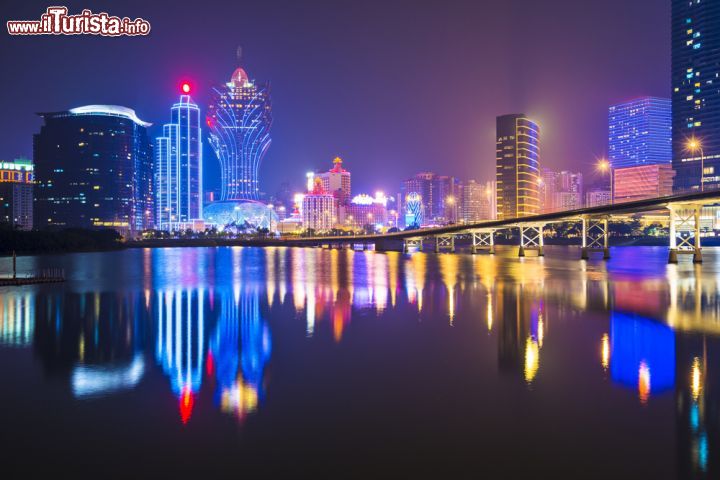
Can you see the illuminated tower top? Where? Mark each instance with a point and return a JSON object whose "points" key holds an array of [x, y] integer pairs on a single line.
{"points": [[239, 119]]}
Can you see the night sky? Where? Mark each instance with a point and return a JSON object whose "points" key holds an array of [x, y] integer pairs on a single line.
{"points": [[393, 87]]}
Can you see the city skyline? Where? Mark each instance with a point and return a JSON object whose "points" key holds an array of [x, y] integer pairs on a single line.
{"points": [[464, 147]]}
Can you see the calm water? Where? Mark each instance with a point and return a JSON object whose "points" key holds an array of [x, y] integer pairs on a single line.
{"points": [[332, 364]]}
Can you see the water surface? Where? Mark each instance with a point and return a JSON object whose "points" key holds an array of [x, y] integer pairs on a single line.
{"points": [[278, 362]]}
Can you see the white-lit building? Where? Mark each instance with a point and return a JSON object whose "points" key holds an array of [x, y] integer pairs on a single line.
{"points": [[337, 181], [598, 197], [16, 193], [365, 210], [178, 168], [319, 209]]}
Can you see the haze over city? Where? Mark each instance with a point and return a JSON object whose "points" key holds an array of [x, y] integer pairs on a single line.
{"points": [[392, 87]]}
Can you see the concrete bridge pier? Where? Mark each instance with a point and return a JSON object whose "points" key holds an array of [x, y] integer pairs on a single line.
{"points": [[531, 238], [595, 237], [685, 231], [483, 240], [415, 242], [444, 242]]}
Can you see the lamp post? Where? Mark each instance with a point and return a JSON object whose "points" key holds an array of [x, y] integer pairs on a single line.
{"points": [[603, 166], [693, 145]]}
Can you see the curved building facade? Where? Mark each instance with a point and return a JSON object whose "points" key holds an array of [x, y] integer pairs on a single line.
{"points": [[239, 119], [178, 168], [93, 169]]}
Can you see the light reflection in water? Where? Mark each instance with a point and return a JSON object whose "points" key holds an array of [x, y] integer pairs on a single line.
{"points": [[209, 328]]}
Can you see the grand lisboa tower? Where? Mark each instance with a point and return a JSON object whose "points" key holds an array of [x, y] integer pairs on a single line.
{"points": [[239, 119]]}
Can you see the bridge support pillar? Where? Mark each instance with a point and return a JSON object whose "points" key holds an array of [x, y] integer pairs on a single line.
{"points": [[595, 237], [685, 231], [415, 242], [483, 240], [444, 242], [531, 238]]}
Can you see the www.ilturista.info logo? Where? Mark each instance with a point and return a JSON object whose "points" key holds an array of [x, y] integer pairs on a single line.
{"points": [[56, 21]]}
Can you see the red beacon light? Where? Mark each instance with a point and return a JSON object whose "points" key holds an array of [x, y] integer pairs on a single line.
{"points": [[185, 87]]}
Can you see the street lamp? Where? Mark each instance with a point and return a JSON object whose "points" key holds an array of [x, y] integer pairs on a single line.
{"points": [[450, 200], [603, 166], [693, 145]]}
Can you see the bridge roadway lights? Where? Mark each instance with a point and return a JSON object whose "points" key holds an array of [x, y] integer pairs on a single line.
{"points": [[685, 231], [444, 242]]}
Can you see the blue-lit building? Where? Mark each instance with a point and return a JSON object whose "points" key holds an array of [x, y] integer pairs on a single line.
{"points": [[178, 167], [239, 118], [93, 169], [696, 92], [640, 132]]}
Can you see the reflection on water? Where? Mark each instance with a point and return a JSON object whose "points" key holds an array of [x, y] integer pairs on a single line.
{"points": [[207, 318]]}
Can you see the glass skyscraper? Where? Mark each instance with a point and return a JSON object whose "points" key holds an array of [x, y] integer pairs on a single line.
{"points": [[696, 92], [640, 132], [517, 156], [178, 167], [239, 118], [93, 168]]}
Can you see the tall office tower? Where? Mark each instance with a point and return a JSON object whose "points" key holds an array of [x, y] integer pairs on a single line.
{"points": [[517, 157], [239, 119], [696, 93], [477, 202], [178, 166], [640, 132], [570, 190], [645, 181], [319, 209], [488, 205], [598, 196], [439, 196], [547, 190], [16, 193], [93, 168], [471, 202], [337, 181]]}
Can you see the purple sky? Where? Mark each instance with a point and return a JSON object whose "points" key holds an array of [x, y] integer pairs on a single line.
{"points": [[393, 87]]}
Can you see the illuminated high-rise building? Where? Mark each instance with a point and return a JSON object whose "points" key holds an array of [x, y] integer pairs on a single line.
{"points": [[93, 169], [696, 93], [476, 202], [16, 193], [439, 194], [640, 132], [239, 118], [517, 166], [319, 209], [178, 166], [645, 181], [337, 182]]}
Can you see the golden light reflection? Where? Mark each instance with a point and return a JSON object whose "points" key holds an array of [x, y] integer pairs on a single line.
{"points": [[532, 359], [393, 260], [540, 329], [270, 278], [489, 312], [605, 351], [419, 268], [239, 400], [644, 382], [696, 379], [449, 271]]}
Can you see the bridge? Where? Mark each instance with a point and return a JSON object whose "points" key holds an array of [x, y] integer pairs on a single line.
{"points": [[683, 210]]}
